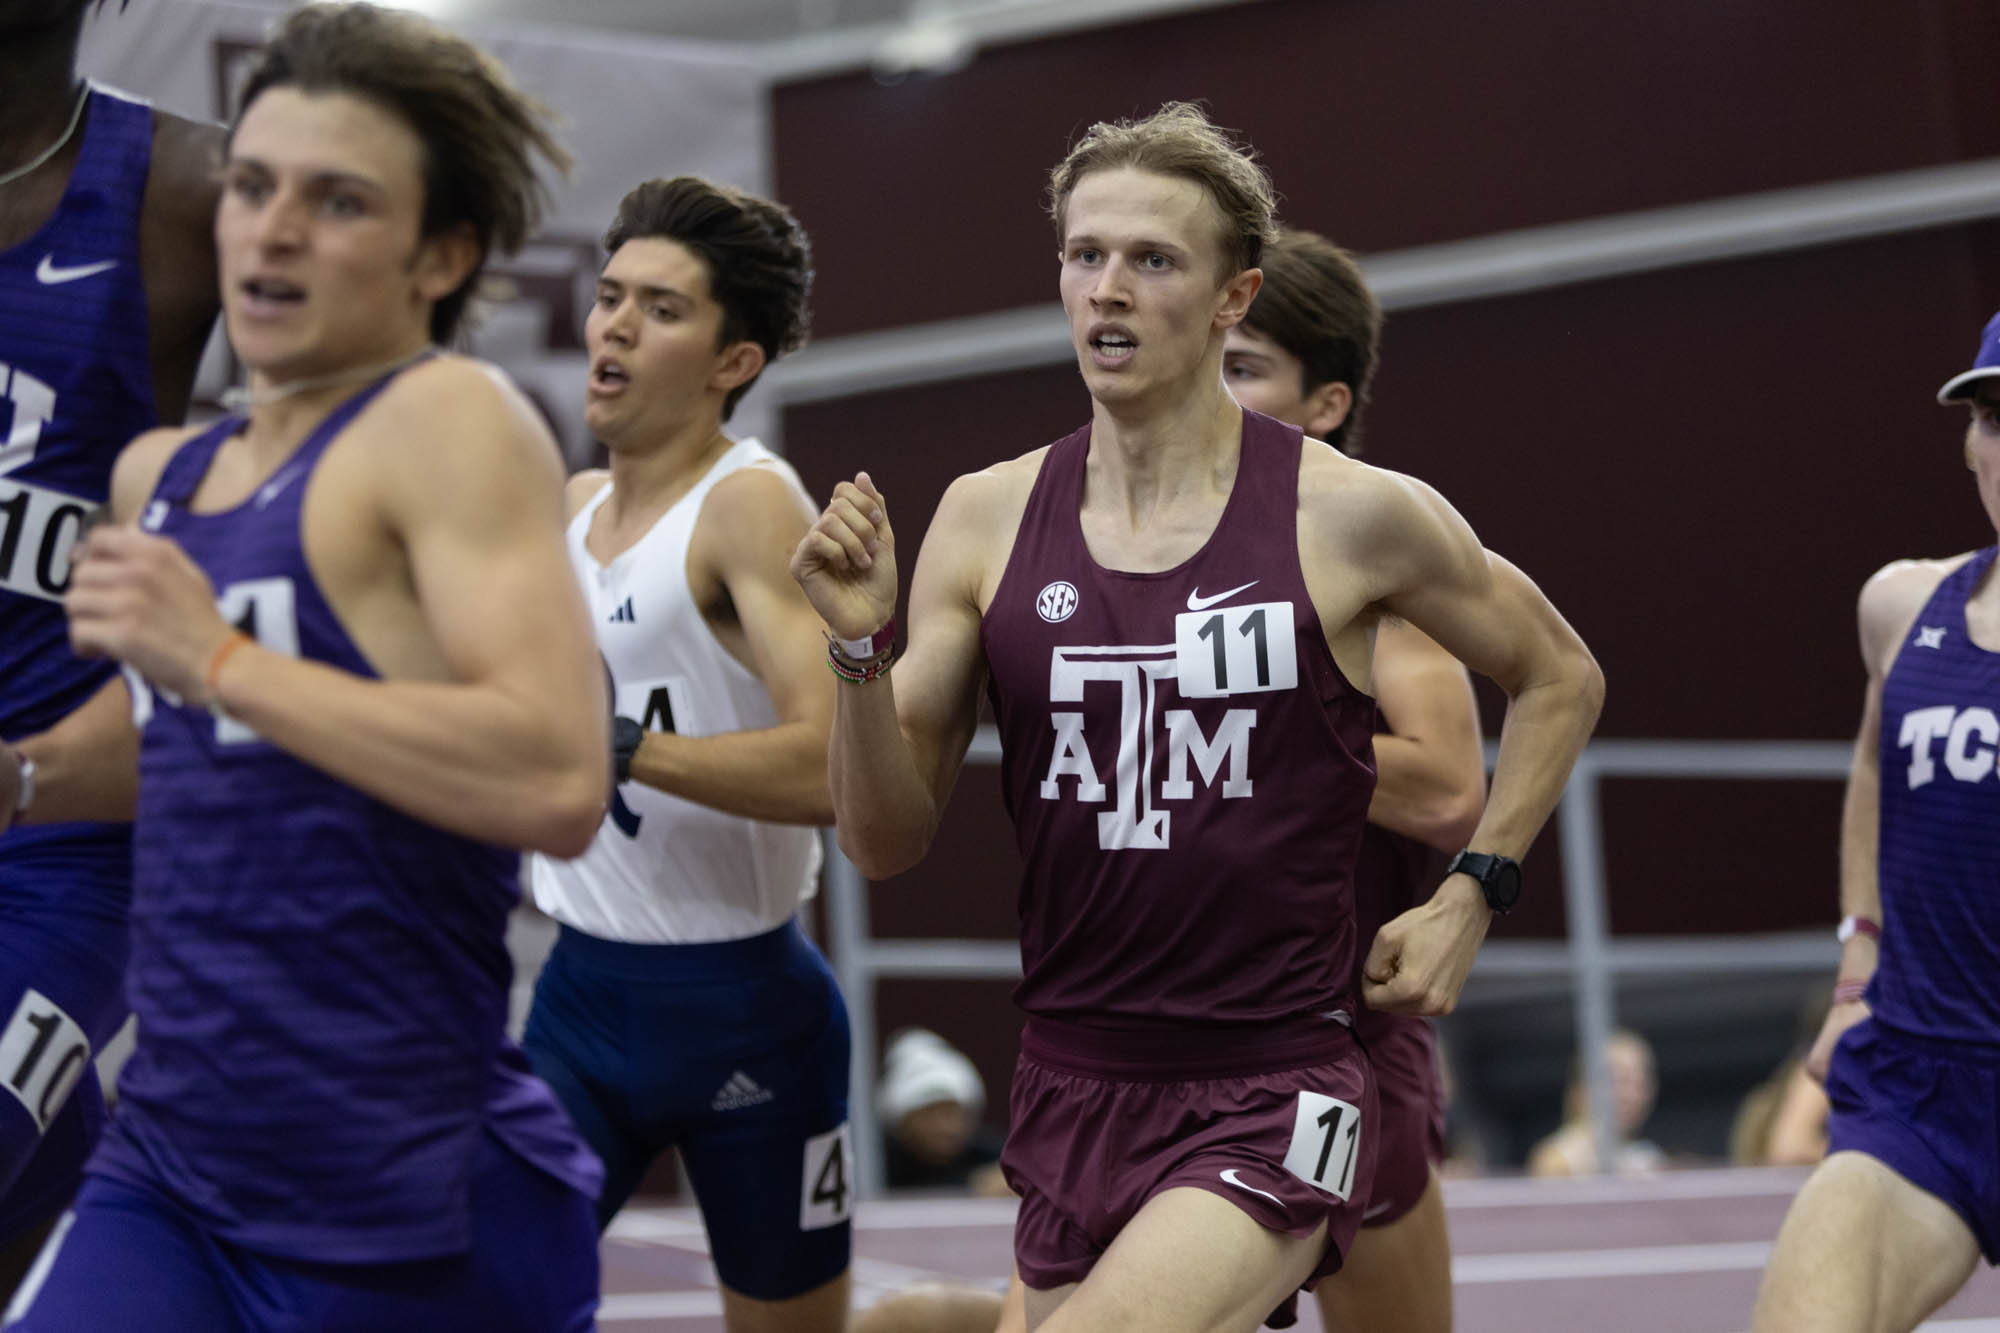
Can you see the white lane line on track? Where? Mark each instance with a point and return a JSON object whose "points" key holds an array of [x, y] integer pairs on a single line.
{"points": [[675, 1225], [618, 1306], [1725, 1183], [1636, 1261]]}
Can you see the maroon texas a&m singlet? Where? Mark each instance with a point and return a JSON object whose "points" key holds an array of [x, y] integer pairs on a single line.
{"points": [[1187, 770]]}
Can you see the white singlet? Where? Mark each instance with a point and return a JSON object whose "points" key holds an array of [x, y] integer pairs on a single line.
{"points": [[685, 874]]}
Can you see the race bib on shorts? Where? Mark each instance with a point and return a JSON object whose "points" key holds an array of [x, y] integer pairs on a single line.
{"points": [[1326, 1143]]}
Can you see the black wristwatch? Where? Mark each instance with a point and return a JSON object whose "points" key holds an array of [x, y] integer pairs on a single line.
{"points": [[625, 737], [1499, 877]]}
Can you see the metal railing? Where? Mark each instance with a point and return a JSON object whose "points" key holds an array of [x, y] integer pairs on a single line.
{"points": [[1590, 959]]}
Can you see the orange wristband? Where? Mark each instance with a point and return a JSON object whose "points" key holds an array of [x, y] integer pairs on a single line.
{"points": [[214, 677]]}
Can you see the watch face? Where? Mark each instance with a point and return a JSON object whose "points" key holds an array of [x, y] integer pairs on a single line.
{"points": [[1503, 886]]}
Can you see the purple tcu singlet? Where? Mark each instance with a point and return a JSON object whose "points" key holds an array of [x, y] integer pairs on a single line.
{"points": [[1939, 847], [76, 384], [321, 981], [1187, 770]]}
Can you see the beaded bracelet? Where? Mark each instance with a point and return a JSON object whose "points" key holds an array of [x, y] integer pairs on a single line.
{"points": [[857, 672]]}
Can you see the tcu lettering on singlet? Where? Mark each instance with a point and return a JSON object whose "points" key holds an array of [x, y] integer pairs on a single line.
{"points": [[1220, 653], [38, 526], [1970, 737], [264, 609]]}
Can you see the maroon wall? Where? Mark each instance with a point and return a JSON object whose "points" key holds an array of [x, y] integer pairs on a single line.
{"points": [[1699, 466]]}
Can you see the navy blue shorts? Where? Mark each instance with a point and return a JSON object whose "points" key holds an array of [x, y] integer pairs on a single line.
{"points": [[130, 1257], [1925, 1109], [735, 1053], [62, 998]]}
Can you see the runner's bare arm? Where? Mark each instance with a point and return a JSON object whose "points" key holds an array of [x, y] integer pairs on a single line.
{"points": [[510, 745], [1430, 570], [899, 740], [87, 764], [1889, 603], [1430, 774], [749, 526]]}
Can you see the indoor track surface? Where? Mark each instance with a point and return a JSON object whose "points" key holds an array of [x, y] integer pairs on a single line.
{"points": [[1675, 1253]]}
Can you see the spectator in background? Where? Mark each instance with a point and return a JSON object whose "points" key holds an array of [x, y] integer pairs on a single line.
{"points": [[930, 1102], [1782, 1121], [1570, 1151]]}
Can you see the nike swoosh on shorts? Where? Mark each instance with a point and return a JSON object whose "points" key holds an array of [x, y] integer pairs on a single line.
{"points": [[1229, 1177]]}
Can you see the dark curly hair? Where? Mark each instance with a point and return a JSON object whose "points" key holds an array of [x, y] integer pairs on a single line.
{"points": [[758, 259], [480, 134]]}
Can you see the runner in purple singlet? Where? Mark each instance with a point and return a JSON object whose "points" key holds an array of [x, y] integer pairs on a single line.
{"points": [[362, 678], [1893, 1221], [107, 296]]}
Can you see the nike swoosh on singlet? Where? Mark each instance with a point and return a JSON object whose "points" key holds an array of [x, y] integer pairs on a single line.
{"points": [[49, 275], [1196, 602], [1229, 1177]]}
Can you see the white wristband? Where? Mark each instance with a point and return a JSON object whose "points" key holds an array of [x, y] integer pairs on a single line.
{"points": [[27, 785], [863, 649]]}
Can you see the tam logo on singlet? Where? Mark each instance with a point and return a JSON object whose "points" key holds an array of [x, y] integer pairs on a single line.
{"points": [[1236, 650], [1970, 737]]}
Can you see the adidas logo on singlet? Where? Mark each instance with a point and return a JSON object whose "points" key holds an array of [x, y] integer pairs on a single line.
{"points": [[740, 1091], [624, 615]]}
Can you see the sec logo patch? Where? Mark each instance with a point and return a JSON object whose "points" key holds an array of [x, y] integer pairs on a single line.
{"points": [[1057, 601]]}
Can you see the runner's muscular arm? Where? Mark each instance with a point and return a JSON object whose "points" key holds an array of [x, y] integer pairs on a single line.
{"points": [[511, 746], [750, 523], [1430, 774], [899, 740], [1431, 571], [1889, 604], [87, 764]]}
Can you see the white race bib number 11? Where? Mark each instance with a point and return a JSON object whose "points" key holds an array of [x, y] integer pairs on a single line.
{"points": [[1326, 1143], [1235, 650]]}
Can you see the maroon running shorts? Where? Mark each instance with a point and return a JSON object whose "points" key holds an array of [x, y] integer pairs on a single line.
{"points": [[1088, 1147], [1410, 1092]]}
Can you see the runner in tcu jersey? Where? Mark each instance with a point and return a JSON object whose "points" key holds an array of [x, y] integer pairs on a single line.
{"points": [[682, 1005], [1893, 1221], [361, 677], [107, 292], [1173, 610], [1305, 354]]}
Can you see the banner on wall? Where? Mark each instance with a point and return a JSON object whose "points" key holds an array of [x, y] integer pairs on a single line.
{"points": [[629, 108]]}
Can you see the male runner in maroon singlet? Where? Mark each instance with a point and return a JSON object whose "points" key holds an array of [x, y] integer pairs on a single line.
{"points": [[1178, 684], [1305, 354]]}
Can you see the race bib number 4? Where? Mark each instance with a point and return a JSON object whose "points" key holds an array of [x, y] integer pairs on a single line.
{"points": [[1235, 650], [826, 1194], [1326, 1143], [38, 530]]}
